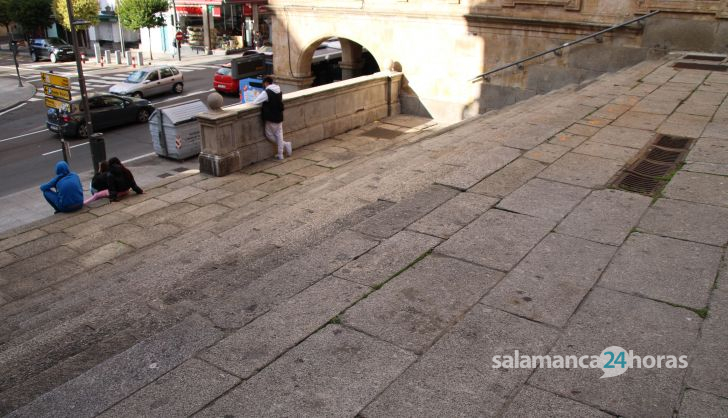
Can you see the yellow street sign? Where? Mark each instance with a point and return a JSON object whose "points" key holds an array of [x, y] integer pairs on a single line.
{"points": [[56, 93], [55, 80], [57, 104]]}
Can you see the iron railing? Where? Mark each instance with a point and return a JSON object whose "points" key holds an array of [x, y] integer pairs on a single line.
{"points": [[558, 50]]}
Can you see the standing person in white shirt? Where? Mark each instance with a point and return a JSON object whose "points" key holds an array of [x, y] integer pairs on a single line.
{"points": [[272, 101]]}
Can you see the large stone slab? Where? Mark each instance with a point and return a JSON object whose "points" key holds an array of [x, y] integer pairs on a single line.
{"points": [[697, 187], [115, 379], [476, 170], [532, 402], [19, 239], [245, 304], [582, 170], [399, 216], [335, 372], [667, 269], [544, 199], [498, 239], [547, 152], [548, 285], [180, 194], [623, 137], [708, 368], [508, 179], [40, 245], [263, 340], [612, 152], [455, 377], [709, 151], [646, 327], [688, 221], [605, 216], [707, 168], [388, 258], [454, 214], [181, 392], [639, 120], [682, 124], [697, 404], [414, 308], [566, 139]]}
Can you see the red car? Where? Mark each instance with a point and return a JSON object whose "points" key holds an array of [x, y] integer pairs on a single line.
{"points": [[224, 81]]}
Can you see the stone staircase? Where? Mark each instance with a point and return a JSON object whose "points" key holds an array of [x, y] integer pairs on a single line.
{"points": [[312, 284]]}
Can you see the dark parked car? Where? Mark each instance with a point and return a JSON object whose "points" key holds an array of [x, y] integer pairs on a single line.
{"points": [[107, 111], [54, 49]]}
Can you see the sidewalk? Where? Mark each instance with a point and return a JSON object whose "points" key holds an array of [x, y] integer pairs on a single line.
{"points": [[12, 95], [379, 272], [28, 206]]}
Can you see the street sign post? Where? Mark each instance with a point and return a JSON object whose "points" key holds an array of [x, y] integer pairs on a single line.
{"points": [[57, 91], [180, 36]]}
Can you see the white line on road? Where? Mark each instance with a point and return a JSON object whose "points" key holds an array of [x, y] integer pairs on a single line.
{"points": [[20, 136], [12, 108], [71, 147], [139, 157], [184, 95]]}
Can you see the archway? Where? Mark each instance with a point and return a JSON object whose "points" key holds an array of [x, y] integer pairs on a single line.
{"points": [[330, 59]]}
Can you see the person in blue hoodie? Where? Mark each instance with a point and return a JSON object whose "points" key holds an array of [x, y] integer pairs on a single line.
{"points": [[64, 192]]}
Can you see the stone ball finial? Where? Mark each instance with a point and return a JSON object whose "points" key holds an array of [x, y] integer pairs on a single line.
{"points": [[214, 101]]}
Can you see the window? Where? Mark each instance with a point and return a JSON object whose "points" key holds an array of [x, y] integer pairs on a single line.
{"points": [[111, 101], [224, 71], [166, 72], [153, 76], [136, 77], [174, 71]]}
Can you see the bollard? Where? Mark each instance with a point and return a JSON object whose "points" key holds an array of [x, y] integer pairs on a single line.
{"points": [[140, 58], [98, 149], [117, 56], [97, 53], [129, 59], [102, 61], [107, 56]]}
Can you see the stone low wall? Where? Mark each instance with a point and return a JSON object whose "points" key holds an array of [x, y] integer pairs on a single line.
{"points": [[233, 137]]}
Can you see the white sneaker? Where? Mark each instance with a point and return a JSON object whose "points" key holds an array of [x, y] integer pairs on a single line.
{"points": [[278, 157], [289, 148]]}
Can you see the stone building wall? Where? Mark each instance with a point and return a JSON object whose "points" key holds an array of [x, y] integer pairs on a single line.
{"points": [[440, 45]]}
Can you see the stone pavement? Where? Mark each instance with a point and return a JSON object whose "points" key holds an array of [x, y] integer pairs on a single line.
{"points": [[378, 272], [12, 94]]}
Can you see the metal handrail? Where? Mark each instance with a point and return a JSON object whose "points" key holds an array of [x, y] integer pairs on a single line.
{"points": [[557, 50]]}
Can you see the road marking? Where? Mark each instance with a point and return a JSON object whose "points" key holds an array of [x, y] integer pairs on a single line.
{"points": [[139, 157], [12, 108], [20, 136], [184, 95], [71, 147]]}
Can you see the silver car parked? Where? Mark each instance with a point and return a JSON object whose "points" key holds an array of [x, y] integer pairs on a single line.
{"points": [[150, 81]]}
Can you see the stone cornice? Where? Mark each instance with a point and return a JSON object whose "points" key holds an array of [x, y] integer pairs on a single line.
{"points": [[510, 22]]}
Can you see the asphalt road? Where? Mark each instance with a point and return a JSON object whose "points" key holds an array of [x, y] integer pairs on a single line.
{"points": [[28, 151]]}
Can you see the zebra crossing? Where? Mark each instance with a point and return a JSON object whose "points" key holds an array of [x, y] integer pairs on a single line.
{"points": [[102, 82]]}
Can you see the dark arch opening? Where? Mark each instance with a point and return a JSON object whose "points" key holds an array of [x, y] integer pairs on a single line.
{"points": [[336, 59]]}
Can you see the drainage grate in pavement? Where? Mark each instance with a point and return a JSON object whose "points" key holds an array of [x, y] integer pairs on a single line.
{"points": [[651, 169], [650, 173], [701, 57], [382, 133], [700, 66], [673, 142], [165, 175], [180, 169]]}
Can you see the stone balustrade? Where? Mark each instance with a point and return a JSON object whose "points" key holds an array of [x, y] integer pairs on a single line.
{"points": [[233, 137]]}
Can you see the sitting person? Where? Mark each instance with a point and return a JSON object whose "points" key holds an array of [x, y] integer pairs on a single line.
{"points": [[120, 180], [64, 192], [99, 184]]}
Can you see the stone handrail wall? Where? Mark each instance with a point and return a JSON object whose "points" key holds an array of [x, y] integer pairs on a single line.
{"points": [[233, 137]]}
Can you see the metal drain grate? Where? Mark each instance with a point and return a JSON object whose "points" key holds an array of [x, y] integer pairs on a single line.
{"points": [[663, 155], [672, 142], [651, 169], [180, 169], [382, 133], [700, 66], [638, 184], [700, 57], [648, 175]]}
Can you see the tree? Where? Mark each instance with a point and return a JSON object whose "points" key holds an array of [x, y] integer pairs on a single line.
{"points": [[31, 14], [5, 16], [137, 14], [82, 10]]}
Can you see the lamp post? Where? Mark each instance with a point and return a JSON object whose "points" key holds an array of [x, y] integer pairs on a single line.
{"points": [[82, 85]]}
